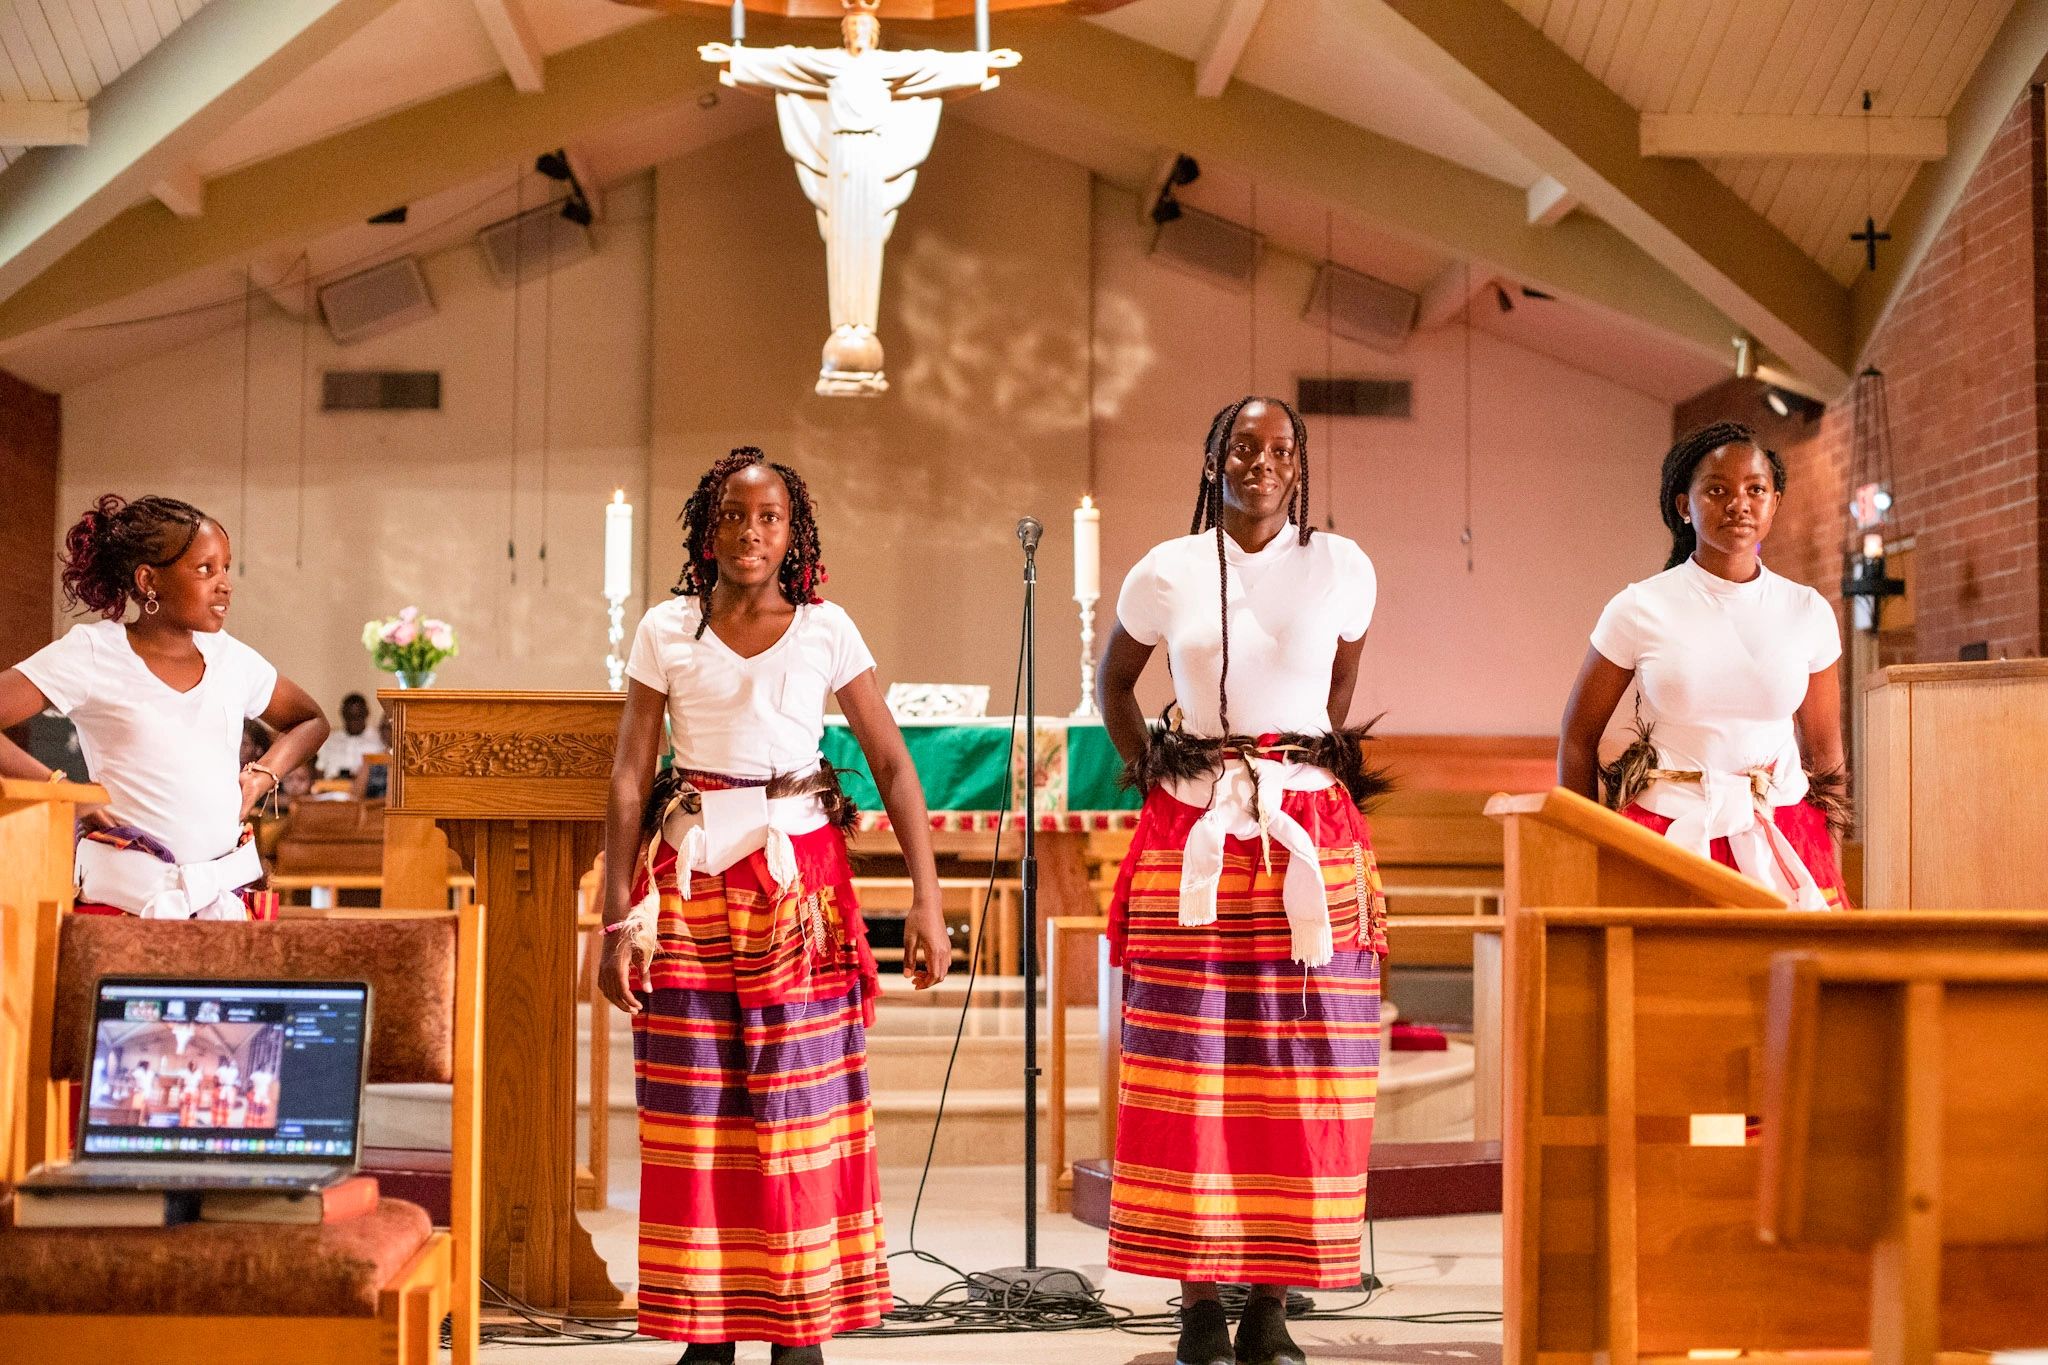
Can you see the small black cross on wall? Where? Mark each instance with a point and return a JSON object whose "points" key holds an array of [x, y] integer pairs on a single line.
{"points": [[1870, 237]]}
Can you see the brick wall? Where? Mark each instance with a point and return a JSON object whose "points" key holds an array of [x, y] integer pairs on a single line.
{"points": [[1965, 359], [28, 492]]}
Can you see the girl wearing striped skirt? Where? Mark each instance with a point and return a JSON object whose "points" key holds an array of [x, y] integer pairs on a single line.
{"points": [[1737, 745], [735, 942], [1248, 917]]}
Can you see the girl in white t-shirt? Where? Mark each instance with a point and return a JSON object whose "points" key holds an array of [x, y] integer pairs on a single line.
{"points": [[1738, 742], [159, 703], [736, 942], [1248, 916]]}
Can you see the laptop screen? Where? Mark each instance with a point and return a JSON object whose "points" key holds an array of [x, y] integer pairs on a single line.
{"points": [[226, 1069]]}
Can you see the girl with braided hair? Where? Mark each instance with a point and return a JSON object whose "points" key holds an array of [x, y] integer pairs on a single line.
{"points": [[735, 941], [1247, 916], [1737, 751], [159, 702]]}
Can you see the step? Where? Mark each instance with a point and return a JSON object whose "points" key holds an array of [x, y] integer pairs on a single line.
{"points": [[982, 1126], [1425, 1096]]}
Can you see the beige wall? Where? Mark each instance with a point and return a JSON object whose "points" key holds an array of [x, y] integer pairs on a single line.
{"points": [[406, 507], [700, 330], [985, 308]]}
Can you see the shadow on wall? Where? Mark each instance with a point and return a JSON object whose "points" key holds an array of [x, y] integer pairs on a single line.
{"points": [[982, 353]]}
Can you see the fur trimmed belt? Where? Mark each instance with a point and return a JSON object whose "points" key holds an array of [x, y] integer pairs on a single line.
{"points": [[1739, 807], [714, 821], [1251, 776]]}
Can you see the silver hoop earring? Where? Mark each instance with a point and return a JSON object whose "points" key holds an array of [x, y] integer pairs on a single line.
{"points": [[151, 606]]}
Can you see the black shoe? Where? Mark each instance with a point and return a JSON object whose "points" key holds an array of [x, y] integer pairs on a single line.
{"points": [[796, 1355], [708, 1353], [1262, 1334], [1204, 1335]]}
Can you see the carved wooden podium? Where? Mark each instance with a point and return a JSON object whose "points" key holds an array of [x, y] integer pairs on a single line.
{"points": [[36, 857], [518, 781]]}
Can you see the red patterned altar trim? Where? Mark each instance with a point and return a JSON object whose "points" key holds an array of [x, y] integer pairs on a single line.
{"points": [[985, 821]]}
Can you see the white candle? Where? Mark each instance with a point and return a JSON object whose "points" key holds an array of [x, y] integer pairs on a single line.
{"points": [[618, 547], [1087, 550]]}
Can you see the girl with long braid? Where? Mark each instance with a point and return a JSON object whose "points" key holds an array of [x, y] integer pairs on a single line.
{"points": [[159, 702], [1248, 916], [1737, 751], [735, 941]]}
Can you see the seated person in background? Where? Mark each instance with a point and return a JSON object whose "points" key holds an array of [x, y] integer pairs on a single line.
{"points": [[373, 780], [343, 752]]}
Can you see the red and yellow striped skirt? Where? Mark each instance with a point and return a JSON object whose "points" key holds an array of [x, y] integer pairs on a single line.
{"points": [[1244, 1109], [759, 1204]]}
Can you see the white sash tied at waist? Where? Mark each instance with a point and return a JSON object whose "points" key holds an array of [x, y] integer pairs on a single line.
{"points": [[1245, 803], [729, 826], [142, 884], [1740, 807]]}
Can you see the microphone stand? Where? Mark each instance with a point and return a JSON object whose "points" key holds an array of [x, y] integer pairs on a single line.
{"points": [[1031, 1279]]}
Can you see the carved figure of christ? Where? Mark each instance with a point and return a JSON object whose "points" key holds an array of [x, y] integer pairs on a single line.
{"points": [[858, 122]]}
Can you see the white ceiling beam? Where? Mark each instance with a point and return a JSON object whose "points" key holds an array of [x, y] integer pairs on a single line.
{"points": [[511, 34], [183, 192], [42, 123], [1549, 202], [1504, 72], [1450, 294], [2011, 63], [1700, 136], [188, 90], [1228, 38]]}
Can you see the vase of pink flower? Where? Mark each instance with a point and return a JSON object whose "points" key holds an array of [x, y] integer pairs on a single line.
{"points": [[409, 645]]}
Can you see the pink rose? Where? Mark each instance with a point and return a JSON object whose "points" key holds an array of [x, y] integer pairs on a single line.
{"points": [[404, 633], [440, 636], [389, 634], [409, 614]]}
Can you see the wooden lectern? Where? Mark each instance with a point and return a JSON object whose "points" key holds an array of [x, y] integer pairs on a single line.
{"points": [[1955, 776], [36, 839], [518, 782], [1905, 1114], [1637, 978]]}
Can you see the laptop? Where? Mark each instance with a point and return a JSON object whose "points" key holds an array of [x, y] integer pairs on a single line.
{"points": [[219, 1085]]}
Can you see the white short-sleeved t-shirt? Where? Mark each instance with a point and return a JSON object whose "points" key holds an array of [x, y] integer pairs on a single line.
{"points": [[170, 761], [747, 717], [1722, 667], [1289, 606]]}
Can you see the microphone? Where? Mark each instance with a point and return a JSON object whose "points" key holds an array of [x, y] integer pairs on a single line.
{"points": [[1029, 529]]}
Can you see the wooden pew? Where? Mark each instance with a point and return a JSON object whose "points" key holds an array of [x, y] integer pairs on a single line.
{"points": [[1906, 1115], [35, 871], [1635, 1064]]}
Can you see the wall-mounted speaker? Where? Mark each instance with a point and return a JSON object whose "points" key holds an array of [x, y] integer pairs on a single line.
{"points": [[1203, 244], [1361, 308], [531, 244], [376, 300]]}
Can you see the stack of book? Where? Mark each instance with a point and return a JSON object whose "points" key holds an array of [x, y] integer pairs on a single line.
{"points": [[350, 1198]]}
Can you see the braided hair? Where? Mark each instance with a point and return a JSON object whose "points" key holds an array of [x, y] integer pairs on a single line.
{"points": [[1683, 459], [803, 568], [114, 538], [1209, 515]]}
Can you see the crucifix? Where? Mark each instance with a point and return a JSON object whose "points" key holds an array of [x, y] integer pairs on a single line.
{"points": [[858, 121], [1870, 237]]}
